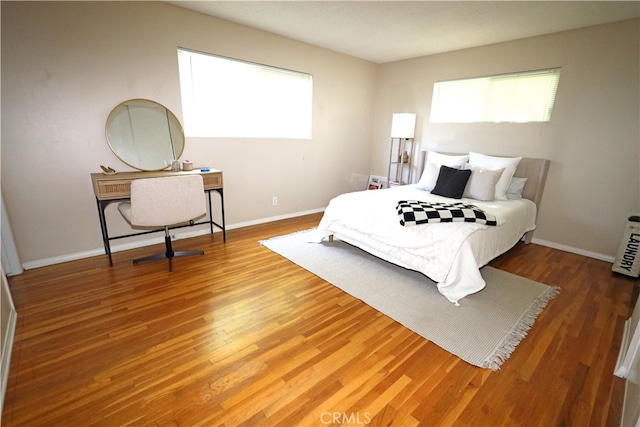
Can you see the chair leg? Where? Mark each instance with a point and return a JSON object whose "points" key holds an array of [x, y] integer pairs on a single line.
{"points": [[169, 253]]}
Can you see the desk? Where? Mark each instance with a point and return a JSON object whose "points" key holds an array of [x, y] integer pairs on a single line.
{"points": [[113, 188]]}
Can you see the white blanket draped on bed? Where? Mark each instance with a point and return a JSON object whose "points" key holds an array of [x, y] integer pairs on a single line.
{"points": [[448, 253]]}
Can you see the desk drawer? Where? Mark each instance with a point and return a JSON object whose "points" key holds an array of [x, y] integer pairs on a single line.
{"points": [[109, 187], [114, 189], [212, 180]]}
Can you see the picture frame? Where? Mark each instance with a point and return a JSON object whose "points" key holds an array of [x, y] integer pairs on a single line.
{"points": [[377, 182]]}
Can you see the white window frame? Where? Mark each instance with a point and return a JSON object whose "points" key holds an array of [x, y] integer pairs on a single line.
{"points": [[225, 97], [521, 97]]}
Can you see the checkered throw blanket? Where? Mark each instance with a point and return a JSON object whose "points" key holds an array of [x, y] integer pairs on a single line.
{"points": [[412, 212]]}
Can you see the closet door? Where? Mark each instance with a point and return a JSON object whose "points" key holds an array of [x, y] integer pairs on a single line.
{"points": [[10, 261], [628, 367], [631, 406], [8, 316]]}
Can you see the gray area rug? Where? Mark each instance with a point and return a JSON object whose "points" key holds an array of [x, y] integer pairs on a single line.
{"points": [[484, 330]]}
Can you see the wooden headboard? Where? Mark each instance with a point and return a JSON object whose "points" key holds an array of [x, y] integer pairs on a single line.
{"points": [[535, 170]]}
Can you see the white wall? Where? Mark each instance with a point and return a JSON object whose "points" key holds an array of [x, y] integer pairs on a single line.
{"points": [[65, 65], [593, 139]]}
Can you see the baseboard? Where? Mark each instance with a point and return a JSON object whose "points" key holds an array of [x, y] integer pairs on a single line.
{"points": [[154, 240], [275, 218], [7, 348], [571, 249]]}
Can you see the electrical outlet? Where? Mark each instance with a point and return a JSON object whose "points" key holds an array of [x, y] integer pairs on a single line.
{"points": [[274, 201]]}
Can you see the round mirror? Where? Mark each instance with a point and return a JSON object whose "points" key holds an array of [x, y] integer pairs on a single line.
{"points": [[144, 134]]}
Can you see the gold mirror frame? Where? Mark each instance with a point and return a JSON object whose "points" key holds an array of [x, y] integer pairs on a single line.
{"points": [[144, 134]]}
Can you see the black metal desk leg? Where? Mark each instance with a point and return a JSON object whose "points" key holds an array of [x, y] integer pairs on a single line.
{"points": [[224, 225], [102, 204], [210, 213]]}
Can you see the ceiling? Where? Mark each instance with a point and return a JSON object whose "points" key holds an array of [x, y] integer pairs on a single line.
{"points": [[386, 31]]}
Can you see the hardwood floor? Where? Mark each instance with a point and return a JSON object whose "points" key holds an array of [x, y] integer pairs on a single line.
{"points": [[241, 336]]}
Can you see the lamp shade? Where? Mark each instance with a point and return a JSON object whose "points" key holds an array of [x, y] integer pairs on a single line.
{"points": [[403, 125]]}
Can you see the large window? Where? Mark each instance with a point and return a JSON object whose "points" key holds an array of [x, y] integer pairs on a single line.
{"points": [[517, 97], [223, 97]]}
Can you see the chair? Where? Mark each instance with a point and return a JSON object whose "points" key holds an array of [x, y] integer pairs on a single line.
{"points": [[165, 202]]}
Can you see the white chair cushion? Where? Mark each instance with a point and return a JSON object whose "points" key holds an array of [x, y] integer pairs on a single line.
{"points": [[157, 202], [125, 210]]}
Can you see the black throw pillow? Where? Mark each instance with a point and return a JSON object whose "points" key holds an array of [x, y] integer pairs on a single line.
{"points": [[451, 182]]}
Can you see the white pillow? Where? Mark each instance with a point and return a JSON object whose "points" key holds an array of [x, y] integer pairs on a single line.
{"points": [[515, 188], [432, 168], [510, 164], [482, 183]]}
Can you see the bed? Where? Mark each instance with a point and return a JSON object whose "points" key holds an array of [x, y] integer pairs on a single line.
{"points": [[503, 192]]}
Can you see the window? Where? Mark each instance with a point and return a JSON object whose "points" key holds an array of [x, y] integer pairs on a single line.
{"points": [[224, 97], [517, 97]]}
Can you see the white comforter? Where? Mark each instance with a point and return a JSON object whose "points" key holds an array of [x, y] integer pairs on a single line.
{"points": [[451, 254]]}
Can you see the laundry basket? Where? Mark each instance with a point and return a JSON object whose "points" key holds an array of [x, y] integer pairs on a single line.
{"points": [[628, 259]]}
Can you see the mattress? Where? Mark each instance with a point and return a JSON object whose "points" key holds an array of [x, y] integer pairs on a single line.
{"points": [[450, 254]]}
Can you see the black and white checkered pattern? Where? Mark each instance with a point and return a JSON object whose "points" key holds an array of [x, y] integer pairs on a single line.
{"points": [[414, 212]]}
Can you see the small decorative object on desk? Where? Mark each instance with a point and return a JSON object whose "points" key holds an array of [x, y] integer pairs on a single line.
{"points": [[187, 165], [108, 170], [174, 165]]}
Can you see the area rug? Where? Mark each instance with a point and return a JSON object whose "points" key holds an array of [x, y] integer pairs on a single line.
{"points": [[484, 330]]}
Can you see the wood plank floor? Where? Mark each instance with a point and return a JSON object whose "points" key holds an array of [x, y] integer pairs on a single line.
{"points": [[241, 336]]}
